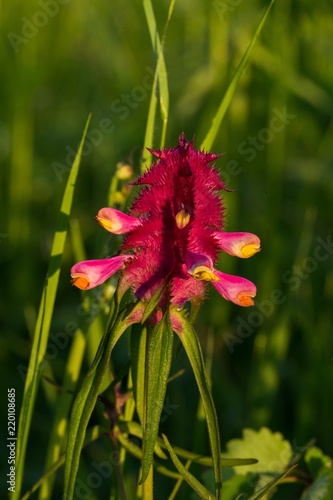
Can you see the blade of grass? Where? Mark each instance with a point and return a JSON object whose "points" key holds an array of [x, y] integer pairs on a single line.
{"points": [[149, 133], [212, 133], [207, 461], [163, 82], [179, 482], [72, 373], [42, 328], [160, 82]]}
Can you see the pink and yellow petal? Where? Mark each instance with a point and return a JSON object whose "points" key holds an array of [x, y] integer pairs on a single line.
{"points": [[242, 245], [238, 290], [116, 222], [91, 273]]}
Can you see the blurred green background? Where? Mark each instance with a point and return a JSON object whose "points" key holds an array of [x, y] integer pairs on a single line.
{"points": [[272, 364]]}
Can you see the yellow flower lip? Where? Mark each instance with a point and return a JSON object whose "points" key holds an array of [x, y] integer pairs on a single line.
{"points": [[250, 249], [182, 218], [111, 226], [203, 273], [80, 281]]}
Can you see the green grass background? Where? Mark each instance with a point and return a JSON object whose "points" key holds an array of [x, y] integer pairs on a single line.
{"points": [[89, 57]]}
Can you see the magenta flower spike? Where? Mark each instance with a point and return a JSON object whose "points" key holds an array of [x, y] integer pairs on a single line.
{"points": [[175, 232]]}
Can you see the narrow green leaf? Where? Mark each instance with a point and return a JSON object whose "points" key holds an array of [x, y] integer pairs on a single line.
{"points": [[163, 80], [43, 323], [150, 127], [207, 461], [191, 480], [87, 396], [192, 347], [159, 355], [212, 133], [179, 482], [270, 486], [235, 462], [58, 435]]}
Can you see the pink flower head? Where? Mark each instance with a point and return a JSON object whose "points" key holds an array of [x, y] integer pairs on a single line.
{"points": [[175, 232]]}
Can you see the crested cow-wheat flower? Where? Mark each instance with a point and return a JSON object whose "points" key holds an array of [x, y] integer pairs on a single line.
{"points": [[174, 233]]}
